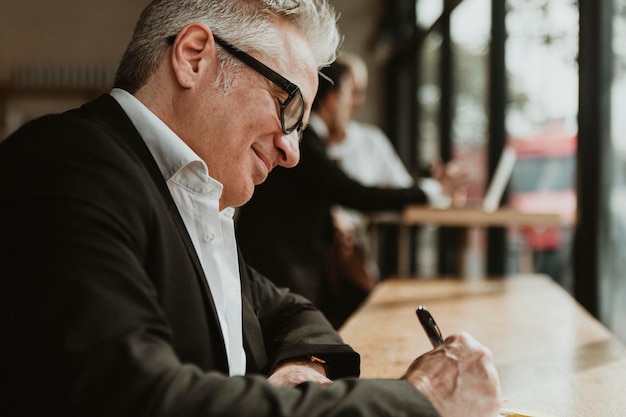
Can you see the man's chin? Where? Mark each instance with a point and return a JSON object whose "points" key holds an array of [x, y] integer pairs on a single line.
{"points": [[243, 197]]}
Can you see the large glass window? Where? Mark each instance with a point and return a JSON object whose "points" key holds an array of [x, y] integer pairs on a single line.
{"points": [[542, 50], [541, 122], [613, 261], [470, 33], [454, 61]]}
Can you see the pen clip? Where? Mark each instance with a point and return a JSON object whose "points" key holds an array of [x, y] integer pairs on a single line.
{"points": [[430, 326]]}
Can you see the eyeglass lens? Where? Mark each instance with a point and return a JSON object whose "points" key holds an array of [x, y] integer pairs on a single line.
{"points": [[292, 113]]}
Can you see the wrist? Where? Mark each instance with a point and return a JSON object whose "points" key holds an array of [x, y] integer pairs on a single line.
{"points": [[310, 361]]}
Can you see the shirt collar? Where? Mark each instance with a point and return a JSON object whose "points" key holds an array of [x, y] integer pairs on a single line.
{"points": [[169, 151]]}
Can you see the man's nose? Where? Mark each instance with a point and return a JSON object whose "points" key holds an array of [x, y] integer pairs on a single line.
{"points": [[289, 147]]}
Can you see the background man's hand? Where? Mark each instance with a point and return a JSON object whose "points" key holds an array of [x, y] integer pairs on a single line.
{"points": [[453, 179], [459, 378]]}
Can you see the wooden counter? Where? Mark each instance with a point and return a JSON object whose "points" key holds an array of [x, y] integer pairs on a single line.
{"points": [[551, 355]]}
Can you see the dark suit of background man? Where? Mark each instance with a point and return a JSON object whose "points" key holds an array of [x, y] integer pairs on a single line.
{"points": [[122, 292]]}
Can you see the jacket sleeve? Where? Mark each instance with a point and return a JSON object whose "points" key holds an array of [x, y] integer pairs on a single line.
{"points": [[318, 173], [292, 327]]}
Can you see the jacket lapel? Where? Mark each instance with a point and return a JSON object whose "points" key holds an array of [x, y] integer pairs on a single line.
{"points": [[256, 356], [112, 117]]}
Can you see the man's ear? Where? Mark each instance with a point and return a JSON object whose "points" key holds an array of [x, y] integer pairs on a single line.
{"points": [[193, 53]]}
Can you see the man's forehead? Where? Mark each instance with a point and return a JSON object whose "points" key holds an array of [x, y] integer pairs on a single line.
{"points": [[303, 73]]}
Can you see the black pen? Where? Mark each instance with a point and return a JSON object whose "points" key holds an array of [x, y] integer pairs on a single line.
{"points": [[429, 325]]}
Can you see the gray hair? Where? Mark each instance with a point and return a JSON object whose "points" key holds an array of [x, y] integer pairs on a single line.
{"points": [[248, 24]]}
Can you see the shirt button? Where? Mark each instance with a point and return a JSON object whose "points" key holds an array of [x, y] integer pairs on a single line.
{"points": [[208, 237]]}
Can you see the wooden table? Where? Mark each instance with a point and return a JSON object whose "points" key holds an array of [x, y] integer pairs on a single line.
{"points": [[551, 355], [470, 217], [465, 218], [477, 217]]}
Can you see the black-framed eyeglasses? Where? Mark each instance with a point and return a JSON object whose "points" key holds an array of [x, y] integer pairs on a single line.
{"points": [[292, 109]]}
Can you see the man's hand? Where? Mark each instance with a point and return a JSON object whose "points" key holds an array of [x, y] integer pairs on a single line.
{"points": [[459, 378], [290, 374], [453, 179]]}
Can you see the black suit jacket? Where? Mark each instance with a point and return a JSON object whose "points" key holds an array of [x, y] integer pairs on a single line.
{"points": [[104, 308], [285, 230]]}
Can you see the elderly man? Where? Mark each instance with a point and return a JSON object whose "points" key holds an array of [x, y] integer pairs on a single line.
{"points": [[121, 288]]}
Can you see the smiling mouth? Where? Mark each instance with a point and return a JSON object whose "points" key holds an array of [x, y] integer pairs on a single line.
{"points": [[265, 162]]}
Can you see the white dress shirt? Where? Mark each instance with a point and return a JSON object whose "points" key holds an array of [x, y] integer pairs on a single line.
{"points": [[367, 155], [197, 195]]}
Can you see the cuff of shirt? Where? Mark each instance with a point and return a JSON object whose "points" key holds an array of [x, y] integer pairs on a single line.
{"points": [[434, 193]]}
